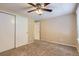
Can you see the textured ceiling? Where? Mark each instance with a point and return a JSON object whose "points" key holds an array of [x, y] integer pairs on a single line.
{"points": [[58, 9]]}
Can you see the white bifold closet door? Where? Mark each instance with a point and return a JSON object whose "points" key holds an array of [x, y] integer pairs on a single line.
{"points": [[7, 29], [13, 31], [21, 30]]}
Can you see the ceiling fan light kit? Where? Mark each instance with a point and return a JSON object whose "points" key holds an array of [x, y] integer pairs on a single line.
{"points": [[39, 8], [39, 11]]}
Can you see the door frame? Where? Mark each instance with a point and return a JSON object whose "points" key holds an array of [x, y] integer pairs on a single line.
{"points": [[39, 29]]}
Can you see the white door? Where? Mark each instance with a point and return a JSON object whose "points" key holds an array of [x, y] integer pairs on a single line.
{"points": [[37, 31], [6, 31], [21, 30]]}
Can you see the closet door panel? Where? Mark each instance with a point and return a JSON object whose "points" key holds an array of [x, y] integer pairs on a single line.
{"points": [[6, 31], [21, 31]]}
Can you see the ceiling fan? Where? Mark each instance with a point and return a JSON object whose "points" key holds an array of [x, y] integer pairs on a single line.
{"points": [[39, 8]]}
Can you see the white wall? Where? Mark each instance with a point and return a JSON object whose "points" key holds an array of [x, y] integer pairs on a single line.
{"points": [[77, 13], [30, 30], [61, 30]]}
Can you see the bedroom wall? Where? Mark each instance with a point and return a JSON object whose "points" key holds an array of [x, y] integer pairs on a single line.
{"points": [[61, 30], [77, 13], [30, 30]]}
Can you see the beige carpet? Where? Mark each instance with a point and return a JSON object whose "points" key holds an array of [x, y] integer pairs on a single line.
{"points": [[41, 48]]}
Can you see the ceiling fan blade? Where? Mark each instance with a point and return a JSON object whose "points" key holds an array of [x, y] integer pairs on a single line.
{"points": [[49, 10], [31, 10], [32, 4], [45, 4]]}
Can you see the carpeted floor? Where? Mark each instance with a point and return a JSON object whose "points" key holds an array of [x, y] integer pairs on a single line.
{"points": [[41, 48]]}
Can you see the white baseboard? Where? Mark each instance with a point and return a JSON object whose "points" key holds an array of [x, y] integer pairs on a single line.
{"points": [[61, 43]]}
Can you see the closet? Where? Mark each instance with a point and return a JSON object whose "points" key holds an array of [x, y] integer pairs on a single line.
{"points": [[13, 31]]}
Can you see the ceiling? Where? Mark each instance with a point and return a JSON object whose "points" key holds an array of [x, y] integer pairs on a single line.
{"points": [[58, 9]]}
